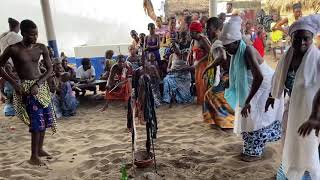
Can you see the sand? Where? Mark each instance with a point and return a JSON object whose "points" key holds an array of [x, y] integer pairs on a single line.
{"points": [[93, 145]]}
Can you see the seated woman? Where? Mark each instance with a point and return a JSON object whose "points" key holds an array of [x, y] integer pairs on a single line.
{"points": [[118, 85], [86, 74], [69, 103], [177, 83]]}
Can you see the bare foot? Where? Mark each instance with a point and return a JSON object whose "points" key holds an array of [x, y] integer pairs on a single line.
{"points": [[247, 158], [43, 153], [36, 161]]}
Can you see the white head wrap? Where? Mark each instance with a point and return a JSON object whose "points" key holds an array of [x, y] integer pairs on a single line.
{"points": [[231, 31], [310, 23]]}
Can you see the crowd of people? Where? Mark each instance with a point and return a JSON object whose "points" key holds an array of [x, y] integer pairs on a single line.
{"points": [[217, 61]]}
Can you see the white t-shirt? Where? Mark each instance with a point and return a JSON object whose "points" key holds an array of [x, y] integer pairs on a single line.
{"points": [[7, 39], [82, 74]]}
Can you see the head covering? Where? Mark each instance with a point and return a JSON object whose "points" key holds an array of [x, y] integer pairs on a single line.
{"points": [[196, 27], [231, 31], [310, 23], [12, 23]]}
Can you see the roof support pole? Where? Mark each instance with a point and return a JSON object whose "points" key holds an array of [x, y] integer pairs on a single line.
{"points": [[51, 36], [213, 4]]}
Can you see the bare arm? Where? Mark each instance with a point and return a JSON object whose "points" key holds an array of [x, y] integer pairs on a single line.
{"points": [[252, 64], [220, 55], [110, 82], [3, 60], [47, 64], [170, 62]]}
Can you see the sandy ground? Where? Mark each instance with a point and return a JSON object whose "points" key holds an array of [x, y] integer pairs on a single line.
{"points": [[93, 145]]}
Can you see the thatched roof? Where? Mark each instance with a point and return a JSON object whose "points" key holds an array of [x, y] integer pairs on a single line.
{"points": [[173, 6], [286, 5]]}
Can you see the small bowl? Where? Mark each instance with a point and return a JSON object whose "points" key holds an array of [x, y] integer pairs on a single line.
{"points": [[143, 159]]}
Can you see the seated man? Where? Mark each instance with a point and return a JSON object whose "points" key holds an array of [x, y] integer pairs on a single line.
{"points": [[86, 74], [67, 68], [118, 85]]}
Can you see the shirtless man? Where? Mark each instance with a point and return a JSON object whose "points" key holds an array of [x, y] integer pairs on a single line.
{"points": [[32, 98]]}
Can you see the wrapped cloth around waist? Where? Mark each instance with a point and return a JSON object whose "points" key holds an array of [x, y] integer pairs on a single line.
{"points": [[43, 97]]}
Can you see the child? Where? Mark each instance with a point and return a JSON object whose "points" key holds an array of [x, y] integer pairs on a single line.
{"points": [[69, 103], [7, 91], [8, 95], [152, 60], [54, 82], [258, 41]]}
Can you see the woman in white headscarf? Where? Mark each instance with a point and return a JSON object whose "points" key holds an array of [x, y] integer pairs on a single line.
{"points": [[299, 73], [249, 88]]}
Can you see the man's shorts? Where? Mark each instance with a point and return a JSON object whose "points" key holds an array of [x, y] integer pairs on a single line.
{"points": [[40, 117]]}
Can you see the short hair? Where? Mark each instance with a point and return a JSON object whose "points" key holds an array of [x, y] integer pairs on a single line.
{"points": [[188, 18], [159, 18], [133, 32], [215, 22], [13, 23], [229, 3], [120, 56], [85, 61], [109, 53], [27, 25], [150, 25], [222, 14], [297, 6], [142, 34], [183, 33]]}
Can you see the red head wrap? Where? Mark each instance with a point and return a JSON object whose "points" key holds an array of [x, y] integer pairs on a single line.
{"points": [[195, 27]]}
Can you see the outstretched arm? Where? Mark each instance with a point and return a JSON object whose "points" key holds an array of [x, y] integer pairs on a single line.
{"points": [[251, 62], [219, 56]]}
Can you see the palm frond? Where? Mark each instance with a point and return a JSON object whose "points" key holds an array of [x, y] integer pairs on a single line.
{"points": [[149, 10]]}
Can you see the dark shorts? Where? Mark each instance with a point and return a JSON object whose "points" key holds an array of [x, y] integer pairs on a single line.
{"points": [[40, 117]]}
